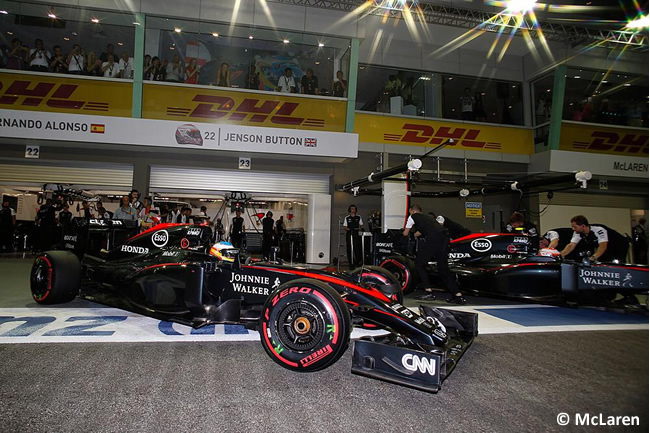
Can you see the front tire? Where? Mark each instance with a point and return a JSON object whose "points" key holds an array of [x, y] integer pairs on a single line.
{"points": [[305, 325], [55, 277]]}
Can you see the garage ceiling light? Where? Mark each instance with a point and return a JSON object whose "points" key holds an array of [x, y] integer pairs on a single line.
{"points": [[639, 23]]}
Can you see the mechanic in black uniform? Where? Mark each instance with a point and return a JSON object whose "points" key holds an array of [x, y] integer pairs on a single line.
{"points": [[517, 224], [608, 244], [87, 213], [65, 216], [267, 234], [46, 222], [454, 230], [433, 244], [640, 242], [7, 224], [353, 226], [237, 229]]}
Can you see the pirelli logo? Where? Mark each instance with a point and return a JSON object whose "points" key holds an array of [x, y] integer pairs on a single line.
{"points": [[425, 134], [43, 94], [250, 110], [610, 142]]}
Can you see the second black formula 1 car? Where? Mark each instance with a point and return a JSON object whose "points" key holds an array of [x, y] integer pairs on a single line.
{"points": [[507, 265], [304, 316]]}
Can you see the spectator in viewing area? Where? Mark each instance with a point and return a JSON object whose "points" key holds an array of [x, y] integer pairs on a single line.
{"points": [[39, 57], [15, 56], [223, 75], [467, 105], [286, 83], [339, 86], [76, 61], [157, 72], [57, 62], [126, 66], [94, 66], [147, 66], [110, 49], [125, 211], [174, 70], [253, 78], [192, 72], [110, 68], [309, 83], [479, 111]]}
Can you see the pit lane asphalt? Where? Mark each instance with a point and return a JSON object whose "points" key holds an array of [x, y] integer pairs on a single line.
{"points": [[506, 382]]}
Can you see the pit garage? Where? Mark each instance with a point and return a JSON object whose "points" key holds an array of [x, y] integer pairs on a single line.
{"points": [[169, 329]]}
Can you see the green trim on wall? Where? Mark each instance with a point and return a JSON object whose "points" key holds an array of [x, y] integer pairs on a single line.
{"points": [[557, 104], [352, 84], [138, 64]]}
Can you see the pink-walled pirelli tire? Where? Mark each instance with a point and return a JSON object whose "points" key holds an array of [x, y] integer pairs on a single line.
{"points": [[55, 277], [305, 325], [403, 269]]}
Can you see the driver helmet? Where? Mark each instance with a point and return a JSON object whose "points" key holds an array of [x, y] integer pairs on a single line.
{"points": [[189, 134], [224, 251], [548, 252]]}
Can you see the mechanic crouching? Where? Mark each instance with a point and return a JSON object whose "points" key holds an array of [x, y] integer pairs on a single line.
{"points": [[432, 245]]}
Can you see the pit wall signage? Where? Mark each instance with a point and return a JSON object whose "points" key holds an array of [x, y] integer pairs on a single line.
{"points": [[60, 94], [164, 133], [269, 109], [621, 141], [374, 128]]}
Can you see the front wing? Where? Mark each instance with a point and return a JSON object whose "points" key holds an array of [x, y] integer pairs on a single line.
{"points": [[393, 360]]}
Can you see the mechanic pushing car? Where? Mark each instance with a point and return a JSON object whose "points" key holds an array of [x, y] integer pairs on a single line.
{"points": [[432, 244], [608, 244]]}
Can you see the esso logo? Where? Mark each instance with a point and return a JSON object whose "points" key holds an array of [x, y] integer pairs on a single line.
{"points": [[481, 245], [160, 238]]}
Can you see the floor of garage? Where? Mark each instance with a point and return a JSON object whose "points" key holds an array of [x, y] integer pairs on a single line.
{"points": [[529, 364]]}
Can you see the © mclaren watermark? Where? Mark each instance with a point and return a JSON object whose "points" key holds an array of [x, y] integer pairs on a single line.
{"points": [[588, 419]]}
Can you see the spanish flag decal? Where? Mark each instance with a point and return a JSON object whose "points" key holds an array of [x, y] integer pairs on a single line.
{"points": [[97, 129]]}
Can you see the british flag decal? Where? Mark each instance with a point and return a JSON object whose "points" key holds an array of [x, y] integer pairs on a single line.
{"points": [[310, 142]]}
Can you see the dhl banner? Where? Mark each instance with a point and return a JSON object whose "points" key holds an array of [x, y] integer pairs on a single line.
{"points": [[178, 134], [612, 140], [61, 94], [374, 128], [271, 109]]}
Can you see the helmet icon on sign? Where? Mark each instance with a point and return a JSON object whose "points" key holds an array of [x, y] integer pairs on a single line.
{"points": [[189, 134]]}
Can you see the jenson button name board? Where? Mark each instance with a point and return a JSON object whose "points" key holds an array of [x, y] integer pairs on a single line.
{"points": [[145, 132]]}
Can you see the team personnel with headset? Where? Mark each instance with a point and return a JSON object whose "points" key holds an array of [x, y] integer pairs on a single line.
{"points": [[353, 225]]}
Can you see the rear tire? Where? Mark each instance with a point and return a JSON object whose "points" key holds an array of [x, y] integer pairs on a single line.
{"points": [[305, 325], [55, 277], [402, 269], [377, 276]]}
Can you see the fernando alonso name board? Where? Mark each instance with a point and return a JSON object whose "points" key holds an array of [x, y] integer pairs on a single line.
{"points": [[145, 132]]}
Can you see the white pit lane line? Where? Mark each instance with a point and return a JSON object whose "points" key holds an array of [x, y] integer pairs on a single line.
{"points": [[86, 325]]}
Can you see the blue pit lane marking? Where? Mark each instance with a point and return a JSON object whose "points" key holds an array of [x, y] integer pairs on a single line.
{"points": [[562, 317]]}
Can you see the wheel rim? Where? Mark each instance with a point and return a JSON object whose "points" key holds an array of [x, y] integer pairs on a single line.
{"points": [[41, 279], [398, 270], [300, 326]]}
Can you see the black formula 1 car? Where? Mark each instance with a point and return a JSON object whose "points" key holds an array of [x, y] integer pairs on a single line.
{"points": [[304, 317], [507, 265]]}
